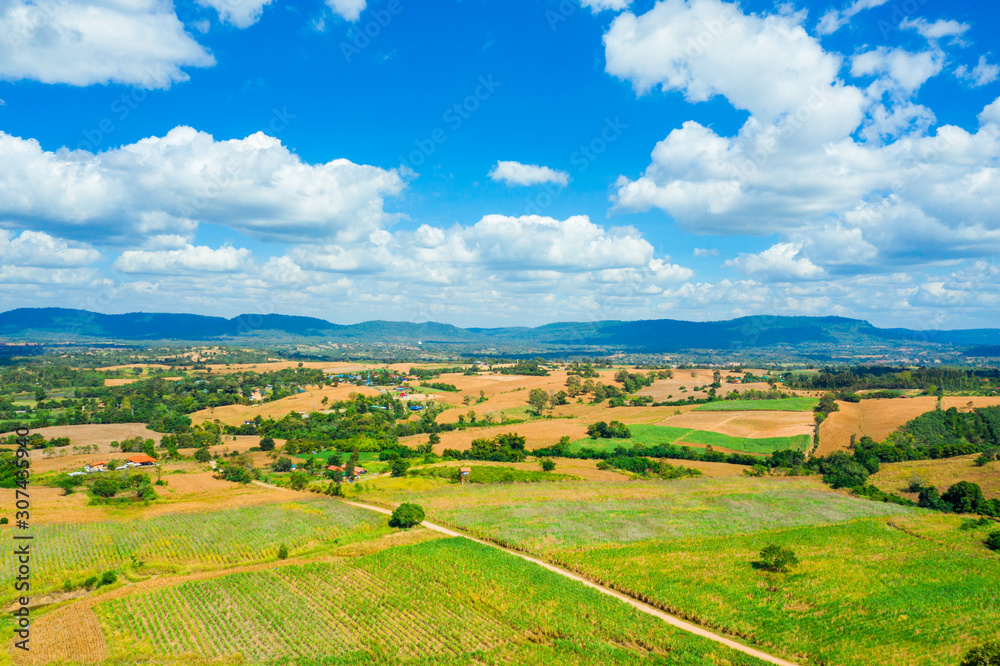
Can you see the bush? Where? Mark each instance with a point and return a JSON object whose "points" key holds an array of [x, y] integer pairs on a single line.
{"points": [[282, 552], [399, 467], [108, 578], [105, 487], [965, 496], [4, 520], [987, 654], [282, 464], [406, 515], [777, 559], [203, 454], [993, 540], [547, 465], [267, 444], [90, 582]]}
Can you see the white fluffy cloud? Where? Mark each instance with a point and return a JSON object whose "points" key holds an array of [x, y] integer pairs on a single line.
{"points": [[980, 75], [167, 185], [991, 113], [834, 19], [240, 13], [348, 9], [226, 259], [515, 173], [817, 158], [137, 42], [781, 262], [37, 249]]}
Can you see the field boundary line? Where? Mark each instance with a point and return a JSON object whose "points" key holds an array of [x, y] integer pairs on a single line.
{"points": [[672, 620]]}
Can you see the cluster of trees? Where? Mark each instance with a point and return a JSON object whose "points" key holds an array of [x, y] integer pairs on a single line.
{"points": [[647, 467], [107, 486], [440, 386], [613, 430], [532, 367], [779, 459], [508, 447], [882, 377], [961, 497], [433, 373]]}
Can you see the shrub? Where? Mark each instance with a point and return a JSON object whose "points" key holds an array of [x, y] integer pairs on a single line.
{"points": [[105, 487], [267, 444], [4, 520], [203, 454], [987, 654], [777, 559], [282, 552], [406, 515], [548, 465], [993, 540], [399, 467], [965, 496], [90, 582], [282, 464], [108, 578]]}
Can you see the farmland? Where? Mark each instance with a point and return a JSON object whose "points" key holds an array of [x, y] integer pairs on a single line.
{"points": [[689, 545], [651, 435], [447, 599], [782, 405]]}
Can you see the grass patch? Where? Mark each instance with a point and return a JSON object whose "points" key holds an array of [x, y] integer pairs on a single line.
{"points": [[493, 474], [797, 404], [652, 435]]}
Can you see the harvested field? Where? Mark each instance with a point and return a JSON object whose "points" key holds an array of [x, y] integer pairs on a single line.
{"points": [[878, 418], [670, 389], [745, 424], [309, 401], [539, 434], [896, 477], [327, 366], [122, 381]]}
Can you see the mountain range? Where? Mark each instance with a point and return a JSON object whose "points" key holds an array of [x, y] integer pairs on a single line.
{"points": [[658, 335]]}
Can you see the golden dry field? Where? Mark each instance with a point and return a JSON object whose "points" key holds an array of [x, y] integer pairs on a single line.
{"points": [[878, 418], [896, 477]]}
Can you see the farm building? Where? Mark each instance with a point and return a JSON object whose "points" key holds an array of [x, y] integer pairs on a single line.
{"points": [[100, 466], [141, 460]]}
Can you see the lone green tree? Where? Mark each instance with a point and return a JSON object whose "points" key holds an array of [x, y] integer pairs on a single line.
{"points": [[538, 399], [282, 552], [406, 515], [776, 559], [547, 465], [987, 654]]}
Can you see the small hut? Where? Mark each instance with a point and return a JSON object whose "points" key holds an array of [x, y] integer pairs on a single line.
{"points": [[463, 474]]}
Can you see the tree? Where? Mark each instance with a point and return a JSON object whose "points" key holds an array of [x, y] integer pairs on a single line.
{"points": [[107, 578], [538, 399], [39, 394], [573, 385], [267, 444], [987, 654], [105, 487], [203, 454], [282, 464], [993, 540], [406, 515], [434, 439], [282, 552], [399, 467], [777, 559], [547, 465], [297, 481], [965, 497]]}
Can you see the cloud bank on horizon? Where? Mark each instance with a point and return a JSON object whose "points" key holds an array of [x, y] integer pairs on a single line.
{"points": [[703, 159]]}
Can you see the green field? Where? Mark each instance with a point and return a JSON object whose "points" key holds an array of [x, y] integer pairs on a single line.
{"points": [[780, 405], [652, 435], [445, 601], [186, 540], [877, 584], [493, 474]]}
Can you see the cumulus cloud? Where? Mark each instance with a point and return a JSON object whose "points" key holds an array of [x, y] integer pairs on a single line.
{"points": [[991, 113], [348, 9], [167, 185], [515, 173], [980, 75], [858, 164], [33, 248], [136, 42], [226, 259], [780, 262], [240, 13]]}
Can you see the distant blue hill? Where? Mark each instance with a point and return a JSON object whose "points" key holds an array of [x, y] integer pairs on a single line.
{"points": [[657, 335]]}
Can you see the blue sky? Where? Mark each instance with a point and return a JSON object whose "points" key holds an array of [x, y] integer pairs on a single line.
{"points": [[502, 163]]}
